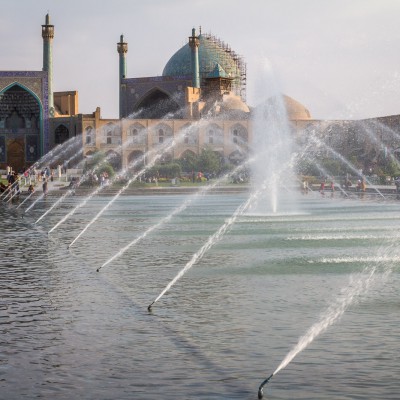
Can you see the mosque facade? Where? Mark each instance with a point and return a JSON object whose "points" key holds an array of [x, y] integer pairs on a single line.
{"points": [[199, 102]]}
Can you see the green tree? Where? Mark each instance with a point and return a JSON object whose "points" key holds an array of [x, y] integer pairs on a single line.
{"points": [[333, 166], [170, 170], [190, 162], [98, 163], [209, 161]]}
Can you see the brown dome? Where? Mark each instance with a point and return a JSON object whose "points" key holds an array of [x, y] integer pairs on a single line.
{"points": [[234, 103], [295, 110]]}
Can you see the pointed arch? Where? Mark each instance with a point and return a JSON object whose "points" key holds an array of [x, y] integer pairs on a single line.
{"points": [[21, 119], [112, 134], [137, 134], [61, 134], [157, 104], [114, 159], [239, 135], [136, 160], [27, 106], [190, 134], [90, 136], [214, 134], [162, 133], [236, 157]]}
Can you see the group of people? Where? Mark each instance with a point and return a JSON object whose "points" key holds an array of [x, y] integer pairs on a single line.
{"points": [[102, 179], [346, 184]]}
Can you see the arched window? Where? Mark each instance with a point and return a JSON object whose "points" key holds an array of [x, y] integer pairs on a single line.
{"points": [[235, 135], [89, 135], [214, 135], [190, 134], [137, 134], [111, 134], [161, 136], [239, 135], [61, 134]]}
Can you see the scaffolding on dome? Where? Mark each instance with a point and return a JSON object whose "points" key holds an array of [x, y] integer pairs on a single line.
{"points": [[237, 70]]}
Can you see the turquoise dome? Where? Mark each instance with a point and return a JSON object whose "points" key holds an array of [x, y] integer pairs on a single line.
{"points": [[210, 53]]}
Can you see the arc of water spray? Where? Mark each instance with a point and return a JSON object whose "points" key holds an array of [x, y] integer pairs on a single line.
{"points": [[32, 205], [27, 197], [348, 163], [54, 205], [96, 191], [212, 240], [82, 203], [83, 179], [16, 193], [70, 191], [176, 211], [56, 152], [332, 314], [6, 193], [142, 171]]}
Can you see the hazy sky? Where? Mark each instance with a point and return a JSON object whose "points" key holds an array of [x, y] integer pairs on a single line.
{"points": [[340, 58]]}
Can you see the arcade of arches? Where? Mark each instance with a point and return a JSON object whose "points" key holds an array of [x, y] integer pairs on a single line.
{"points": [[20, 128]]}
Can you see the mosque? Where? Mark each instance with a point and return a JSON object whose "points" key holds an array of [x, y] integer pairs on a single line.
{"points": [[199, 101]]}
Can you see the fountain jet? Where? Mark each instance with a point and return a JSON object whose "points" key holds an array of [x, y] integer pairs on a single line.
{"points": [[260, 389]]}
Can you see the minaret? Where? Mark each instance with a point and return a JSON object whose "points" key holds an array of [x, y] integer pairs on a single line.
{"points": [[194, 44], [122, 48], [48, 36]]}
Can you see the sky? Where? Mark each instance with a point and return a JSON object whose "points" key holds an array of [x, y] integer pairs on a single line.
{"points": [[339, 58]]}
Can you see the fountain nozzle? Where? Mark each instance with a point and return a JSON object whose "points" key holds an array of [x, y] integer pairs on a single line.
{"points": [[149, 307], [260, 389]]}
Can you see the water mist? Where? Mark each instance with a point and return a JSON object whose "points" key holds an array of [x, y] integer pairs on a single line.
{"points": [[272, 144]]}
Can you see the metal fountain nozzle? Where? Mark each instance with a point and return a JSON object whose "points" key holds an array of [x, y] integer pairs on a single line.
{"points": [[260, 389]]}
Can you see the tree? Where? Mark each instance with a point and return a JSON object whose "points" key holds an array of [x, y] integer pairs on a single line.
{"points": [[98, 162], [209, 161], [189, 162], [170, 170]]}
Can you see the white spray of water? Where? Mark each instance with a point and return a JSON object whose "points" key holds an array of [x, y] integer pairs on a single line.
{"points": [[158, 154], [358, 286], [319, 142], [33, 204], [141, 172], [83, 179], [272, 142], [131, 165], [9, 190], [27, 198], [54, 205], [176, 211], [212, 240], [93, 193]]}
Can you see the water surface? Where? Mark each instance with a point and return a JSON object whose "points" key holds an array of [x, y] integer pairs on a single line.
{"points": [[68, 332]]}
